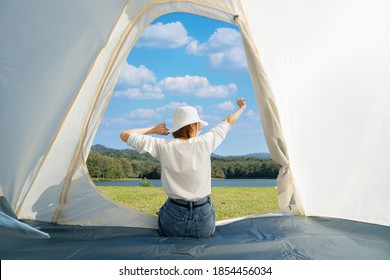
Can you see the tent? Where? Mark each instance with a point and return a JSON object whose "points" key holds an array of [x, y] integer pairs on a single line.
{"points": [[320, 72]]}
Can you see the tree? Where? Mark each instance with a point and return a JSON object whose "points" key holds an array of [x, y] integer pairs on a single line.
{"points": [[127, 167], [109, 163]]}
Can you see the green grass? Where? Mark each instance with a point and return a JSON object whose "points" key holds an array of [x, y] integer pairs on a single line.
{"points": [[228, 202]]}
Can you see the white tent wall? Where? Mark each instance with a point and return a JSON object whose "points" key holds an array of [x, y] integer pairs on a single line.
{"points": [[328, 64], [41, 73], [60, 60], [50, 84]]}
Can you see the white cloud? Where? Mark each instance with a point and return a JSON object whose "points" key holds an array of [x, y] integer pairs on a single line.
{"points": [[186, 85], [224, 49], [114, 121], [159, 112], [138, 83], [142, 114], [227, 105], [170, 35], [143, 92], [136, 116], [135, 76], [222, 39], [196, 85], [122, 121], [217, 91], [170, 107]]}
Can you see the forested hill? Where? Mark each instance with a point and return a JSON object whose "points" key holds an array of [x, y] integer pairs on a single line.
{"points": [[108, 163]]}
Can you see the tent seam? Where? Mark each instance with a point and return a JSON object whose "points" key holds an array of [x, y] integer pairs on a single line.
{"points": [[76, 154]]}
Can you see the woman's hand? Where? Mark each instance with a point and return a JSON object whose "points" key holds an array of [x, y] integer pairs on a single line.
{"points": [[241, 102], [233, 117], [160, 129]]}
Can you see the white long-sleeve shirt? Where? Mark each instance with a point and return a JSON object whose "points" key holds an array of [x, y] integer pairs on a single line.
{"points": [[185, 164]]}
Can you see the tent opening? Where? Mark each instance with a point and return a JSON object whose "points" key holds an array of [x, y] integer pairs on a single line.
{"points": [[185, 59]]}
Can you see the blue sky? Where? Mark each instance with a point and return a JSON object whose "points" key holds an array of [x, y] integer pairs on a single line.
{"points": [[183, 59]]}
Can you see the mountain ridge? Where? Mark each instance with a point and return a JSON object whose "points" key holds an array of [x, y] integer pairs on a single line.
{"points": [[105, 149]]}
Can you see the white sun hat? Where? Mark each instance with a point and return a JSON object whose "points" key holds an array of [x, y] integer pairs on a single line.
{"points": [[185, 115]]}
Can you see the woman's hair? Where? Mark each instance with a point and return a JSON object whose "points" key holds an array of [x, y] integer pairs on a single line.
{"points": [[184, 132]]}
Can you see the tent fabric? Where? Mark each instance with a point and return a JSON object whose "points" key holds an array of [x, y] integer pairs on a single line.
{"points": [[319, 72], [327, 63], [280, 236], [5, 208], [11, 228]]}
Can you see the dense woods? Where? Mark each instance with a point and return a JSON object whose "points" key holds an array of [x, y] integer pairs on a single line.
{"points": [[106, 163]]}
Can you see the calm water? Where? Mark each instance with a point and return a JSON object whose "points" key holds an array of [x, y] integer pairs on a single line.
{"points": [[214, 183]]}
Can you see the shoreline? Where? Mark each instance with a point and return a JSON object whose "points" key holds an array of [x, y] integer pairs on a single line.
{"points": [[140, 179]]}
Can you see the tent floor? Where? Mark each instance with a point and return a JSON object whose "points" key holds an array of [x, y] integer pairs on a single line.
{"points": [[273, 237]]}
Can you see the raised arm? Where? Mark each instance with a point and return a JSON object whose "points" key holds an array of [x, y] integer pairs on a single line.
{"points": [[159, 129], [233, 117]]}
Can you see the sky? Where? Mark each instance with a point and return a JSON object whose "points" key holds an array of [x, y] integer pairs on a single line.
{"points": [[183, 59]]}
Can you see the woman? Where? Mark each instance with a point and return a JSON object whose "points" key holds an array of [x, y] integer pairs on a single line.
{"points": [[185, 169]]}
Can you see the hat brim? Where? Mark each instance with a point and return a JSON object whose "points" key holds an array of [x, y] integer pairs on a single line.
{"points": [[176, 128]]}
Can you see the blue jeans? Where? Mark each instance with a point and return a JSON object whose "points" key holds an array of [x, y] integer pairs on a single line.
{"points": [[187, 219]]}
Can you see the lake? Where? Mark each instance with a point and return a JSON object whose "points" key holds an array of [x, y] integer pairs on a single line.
{"points": [[271, 183]]}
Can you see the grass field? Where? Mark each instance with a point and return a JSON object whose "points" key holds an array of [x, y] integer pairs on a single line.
{"points": [[228, 202]]}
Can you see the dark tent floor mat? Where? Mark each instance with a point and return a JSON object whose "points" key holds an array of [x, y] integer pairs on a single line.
{"points": [[272, 237]]}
